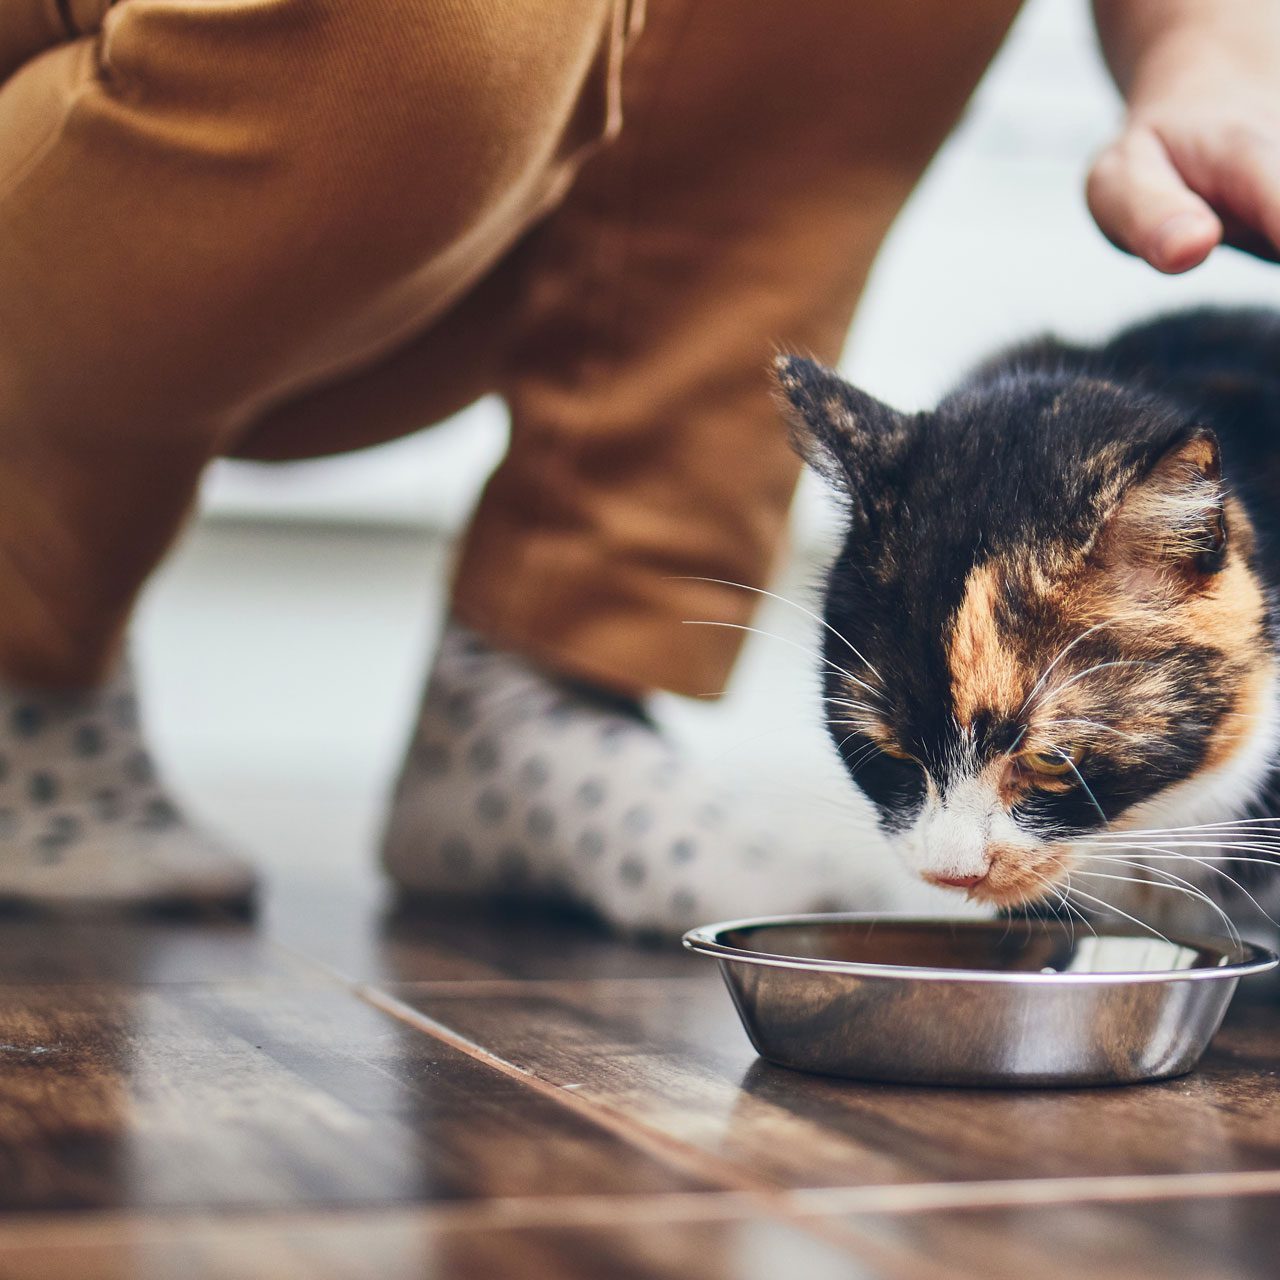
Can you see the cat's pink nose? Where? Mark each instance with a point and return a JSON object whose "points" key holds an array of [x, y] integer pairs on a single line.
{"points": [[957, 882]]}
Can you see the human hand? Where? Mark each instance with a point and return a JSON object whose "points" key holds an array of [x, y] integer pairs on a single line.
{"points": [[1197, 162]]}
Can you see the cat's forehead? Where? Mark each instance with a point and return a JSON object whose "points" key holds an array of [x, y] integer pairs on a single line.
{"points": [[1020, 476]]}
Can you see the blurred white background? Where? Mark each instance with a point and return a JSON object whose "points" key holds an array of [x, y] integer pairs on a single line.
{"points": [[284, 644]]}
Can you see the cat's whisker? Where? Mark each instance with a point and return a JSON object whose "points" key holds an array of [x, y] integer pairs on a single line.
{"points": [[1232, 932], [1169, 880], [1233, 851], [854, 770], [867, 749], [1272, 863], [1220, 822], [1008, 927], [1249, 831], [1227, 839], [1053, 904], [1203, 840], [1168, 848], [1065, 891], [849, 727], [1058, 690], [1106, 728], [809, 613], [1246, 855], [853, 734], [838, 700], [848, 714], [795, 644], [1201, 826], [1093, 800], [1141, 861], [1107, 906], [1245, 843], [851, 706], [1062, 653], [1074, 913]]}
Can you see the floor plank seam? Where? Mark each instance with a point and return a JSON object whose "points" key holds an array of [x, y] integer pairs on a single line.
{"points": [[768, 1198], [497, 1212], [322, 968], [925, 1197], [689, 1159], [445, 988], [510, 1212]]}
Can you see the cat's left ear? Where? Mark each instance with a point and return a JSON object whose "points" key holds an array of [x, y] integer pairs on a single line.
{"points": [[844, 434], [1174, 514]]}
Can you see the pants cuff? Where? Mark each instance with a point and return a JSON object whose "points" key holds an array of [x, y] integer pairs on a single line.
{"points": [[631, 628]]}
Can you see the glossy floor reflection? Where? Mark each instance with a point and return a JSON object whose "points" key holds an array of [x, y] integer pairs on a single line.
{"points": [[339, 1090]]}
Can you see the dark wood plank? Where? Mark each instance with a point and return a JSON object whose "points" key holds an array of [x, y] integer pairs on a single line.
{"points": [[671, 1058], [142, 951], [369, 941], [272, 1095]]}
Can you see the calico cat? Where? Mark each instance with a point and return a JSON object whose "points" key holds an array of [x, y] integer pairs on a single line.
{"points": [[1050, 656]]}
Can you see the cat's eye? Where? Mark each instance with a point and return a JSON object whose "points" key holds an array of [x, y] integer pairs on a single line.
{"points": [[1051, 762]]}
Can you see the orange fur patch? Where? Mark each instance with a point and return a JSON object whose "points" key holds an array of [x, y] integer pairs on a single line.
{"points": [[1018, 875], [1230, 617], [985, 673], [1143, 611]]}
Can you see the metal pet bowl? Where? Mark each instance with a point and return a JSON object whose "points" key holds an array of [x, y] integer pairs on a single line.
{"points": [[975, 1002]]}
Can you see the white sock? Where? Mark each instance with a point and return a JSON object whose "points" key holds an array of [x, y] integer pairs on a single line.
{"points": [[518, 782], [84, 821]]}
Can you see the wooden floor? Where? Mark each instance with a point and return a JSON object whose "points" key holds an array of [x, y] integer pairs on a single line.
{"points": [[338, 1092]]}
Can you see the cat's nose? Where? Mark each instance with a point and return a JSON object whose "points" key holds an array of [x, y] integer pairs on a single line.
{"points": [[957, 882]]}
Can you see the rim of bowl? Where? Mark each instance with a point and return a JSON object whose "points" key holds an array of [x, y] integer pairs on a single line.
{"points": [[705, 940]]}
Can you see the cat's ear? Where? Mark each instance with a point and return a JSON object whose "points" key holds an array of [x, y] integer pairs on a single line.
{"points": [[1174, 514], [844, 434]]}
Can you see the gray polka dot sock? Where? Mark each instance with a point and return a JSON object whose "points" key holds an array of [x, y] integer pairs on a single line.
{"points": [[85, 822], [518, 782]]}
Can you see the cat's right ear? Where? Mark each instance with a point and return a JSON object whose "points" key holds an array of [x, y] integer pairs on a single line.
{"points": [[845, 435]]}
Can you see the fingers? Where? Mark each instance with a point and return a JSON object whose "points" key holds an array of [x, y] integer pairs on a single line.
{"points": [[1247, 172], [1141, 203]]}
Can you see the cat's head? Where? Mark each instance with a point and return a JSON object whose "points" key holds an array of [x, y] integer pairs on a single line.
{"points": [[1044, 619]]}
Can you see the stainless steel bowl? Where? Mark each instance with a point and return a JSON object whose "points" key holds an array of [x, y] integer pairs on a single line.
{"points": [[975, 1002]]}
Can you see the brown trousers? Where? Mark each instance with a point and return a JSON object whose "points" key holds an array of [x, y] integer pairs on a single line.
{"points": [[281, 228]]}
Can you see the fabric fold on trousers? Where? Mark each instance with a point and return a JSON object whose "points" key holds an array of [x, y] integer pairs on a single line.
{"points": [[210, 208], [281, 228]]}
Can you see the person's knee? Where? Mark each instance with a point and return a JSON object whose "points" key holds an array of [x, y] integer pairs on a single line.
{"points": [[420, 118]]}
